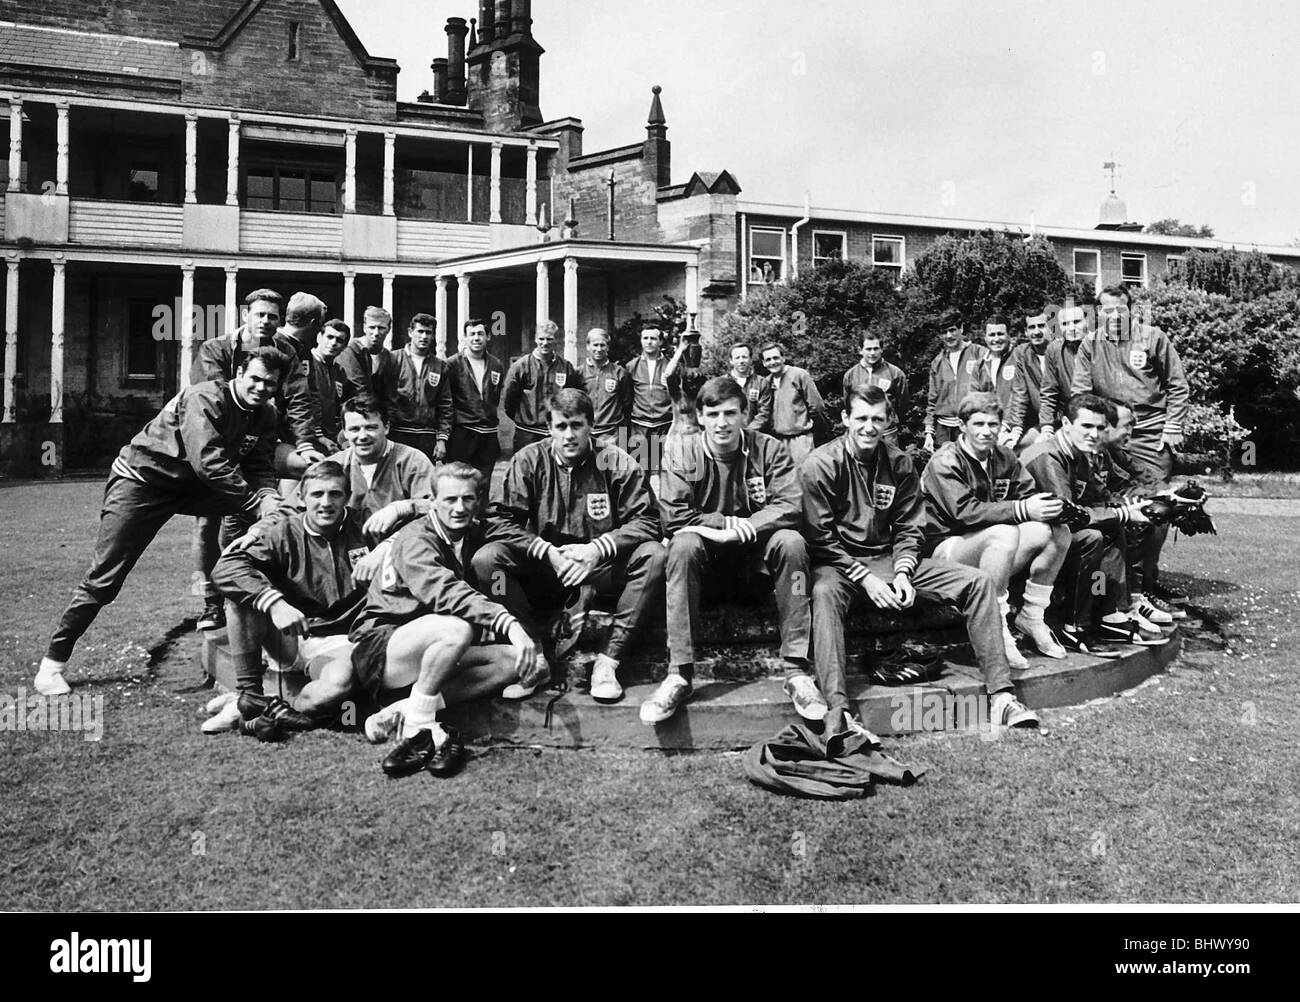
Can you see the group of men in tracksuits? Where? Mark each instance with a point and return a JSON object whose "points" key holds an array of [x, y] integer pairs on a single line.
{"points": [[385, 570]]}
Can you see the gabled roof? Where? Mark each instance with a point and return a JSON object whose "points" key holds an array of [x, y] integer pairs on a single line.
{"points": [[165, 20], [702, 183], [87, 52]]}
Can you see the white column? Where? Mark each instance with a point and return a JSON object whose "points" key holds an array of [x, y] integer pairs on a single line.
{"points": [[388, 305], [61, 164], [11, 335], [350, 301], [571, 309], [390, 161], [462, 306], [232, 162], [350, 172], [469, 186], [56, 343], [191, 157], [15, 142], [186, 321], [693, 288], [232, 318], [495, 188], [530, 187], [440, 314], [543, 294]]}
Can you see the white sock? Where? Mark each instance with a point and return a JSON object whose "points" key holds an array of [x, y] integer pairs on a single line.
{"points": [[1037, 599], [422, 715], [1004, 605]]}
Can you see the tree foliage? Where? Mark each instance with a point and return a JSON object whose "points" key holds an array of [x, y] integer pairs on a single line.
{"points": [[1243, 275], [1172, 227]]}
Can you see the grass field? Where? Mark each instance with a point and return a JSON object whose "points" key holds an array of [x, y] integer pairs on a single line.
{"points": [[1181, 791]]}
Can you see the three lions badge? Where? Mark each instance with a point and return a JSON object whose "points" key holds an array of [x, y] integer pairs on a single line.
{"points": [[433, 379], [598, 507], [561, 379], [1001, 488], [1137, 358], [882, 496], [757, 491]]}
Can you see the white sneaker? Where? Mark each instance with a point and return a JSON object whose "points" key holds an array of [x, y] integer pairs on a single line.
{"points": [[383, 725], [1148, 615], [49, 679], [1006, 710], [1014, 657], [1041, 634], [517, 690], [807, 698], [604, 681], [672, 693], [218, 702], [227, 718]]}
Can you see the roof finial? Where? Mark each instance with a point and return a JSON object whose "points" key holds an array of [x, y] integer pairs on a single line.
{"points": [[473, 32], [656, 108]]}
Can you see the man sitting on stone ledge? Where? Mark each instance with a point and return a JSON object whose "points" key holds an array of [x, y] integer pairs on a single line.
{"points": [[984, 510], [863, 519], [295, 593], [583, 522], [428, 625], [731, 503]]}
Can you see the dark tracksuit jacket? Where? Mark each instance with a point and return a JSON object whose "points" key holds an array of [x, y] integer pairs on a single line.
{"points": [[312, 572], [424, 396], [330, 389], [219, 359], [1026, 393], [961, 498], [759, 498], [403, 473], [357, 367], [610, 389], [947, 388], [529, 384], [797, 407], [1142, 371], [475, 409], [758, 401], [652, 400], [893, 381], [1002, 374], [1058, 377]]}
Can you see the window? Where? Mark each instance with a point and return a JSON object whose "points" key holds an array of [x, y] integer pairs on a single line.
{"points": [[141, 345], [888, 252], [295, 41], [766, 256], [1087, 268], [1174, 264], [142, 183], [292, 189], [1133, 268], [829, 246]]}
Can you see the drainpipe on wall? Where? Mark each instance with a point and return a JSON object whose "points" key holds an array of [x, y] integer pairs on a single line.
{"points": [[794, 234], [744, 256]]}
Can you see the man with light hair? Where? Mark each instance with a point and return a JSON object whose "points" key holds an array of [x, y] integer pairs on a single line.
{"points": [[610, 388], [368, 366], [531, 381]]}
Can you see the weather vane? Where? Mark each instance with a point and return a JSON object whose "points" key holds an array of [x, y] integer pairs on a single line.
{"points": [[1112, 166]]}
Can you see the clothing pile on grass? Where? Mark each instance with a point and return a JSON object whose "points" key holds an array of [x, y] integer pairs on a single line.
{"points": [[841, 766]]}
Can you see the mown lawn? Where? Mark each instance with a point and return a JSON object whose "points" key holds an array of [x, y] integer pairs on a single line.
{"points": [[1181, 791]]}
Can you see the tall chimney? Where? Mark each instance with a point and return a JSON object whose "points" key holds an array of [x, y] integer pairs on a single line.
{"points": [[502, 28], [523, 19], [457, 29], [440, 80], [485, 22], [658, 150]]}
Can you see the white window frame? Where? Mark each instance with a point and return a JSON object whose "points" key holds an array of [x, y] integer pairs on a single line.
{"points": [[1133, 256], [902, 252], [1170, 260], [785, 263], [1076, 275], [844, 245]]}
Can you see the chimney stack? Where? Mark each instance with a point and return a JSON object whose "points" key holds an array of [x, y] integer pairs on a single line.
{"points": [[523, 18], [658, 150], [440, 79], [502, 27], [485, 22], [457, 29]]}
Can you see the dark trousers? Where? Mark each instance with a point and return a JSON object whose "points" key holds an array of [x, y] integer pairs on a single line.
{"points": [[698, 568], [211, 535], [525, 437], [132, 516], [646, 446], [521, 584], [481, 449], [1092, 580], [424, 441], [968, 589], [943, 435]]}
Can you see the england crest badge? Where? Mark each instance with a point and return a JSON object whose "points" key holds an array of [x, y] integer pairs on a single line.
{"points": [[1137, 358], [561, 379], [357, 555], [757, 491], [1001, 488], [496, 379], [972, 366], [598, 506], [883, 496], [248, 445], [1008, 373], [611, 385], [433, 379], [885, 384]]}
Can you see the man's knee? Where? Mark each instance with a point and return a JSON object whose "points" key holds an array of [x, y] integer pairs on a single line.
{"points": [[788, 546], [686, 549], [651, 557], [1087, 542], [489, 557], [1002, 539]]}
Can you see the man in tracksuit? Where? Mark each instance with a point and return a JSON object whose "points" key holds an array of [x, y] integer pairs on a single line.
{"points": [[1058, 368], [610, 388], [756, 387], [1131, 363], [864, 522], [584, 522], [957, 370], [656, 383], [873, 370], [476, 380], [428, 625], [328, 386], [1064, 466], [798, 411], [1020, 429], [530, 383], [998, 359], [210, 451], [731, 503], [294, 594], [367, 365], [423, 418], [983, 510]]}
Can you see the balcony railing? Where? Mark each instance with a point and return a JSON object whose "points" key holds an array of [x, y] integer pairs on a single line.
{"points": [[426, 240], [306, 233], [124, 224]]}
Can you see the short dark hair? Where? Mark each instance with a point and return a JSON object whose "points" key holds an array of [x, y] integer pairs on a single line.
{"points": [[742, 344], [271, 357], [979, 403], [867, 334], [473, 322], [1122, 291], [264, 296], [337, 325], [1087, 402], [717, 390], [570, 402], [457, 471], [326, 469], [769, 346], [997, 319], [367, 405], [949, 318], [868, 393], [421, 320]]}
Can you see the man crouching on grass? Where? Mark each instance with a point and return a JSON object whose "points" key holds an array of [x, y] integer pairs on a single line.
{"points": [[425, 626], [863, 519], [294, 592]]}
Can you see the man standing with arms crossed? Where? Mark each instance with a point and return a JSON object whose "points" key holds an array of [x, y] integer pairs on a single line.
{"points": [[476, 380], [531, 381], [423, 417]]}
